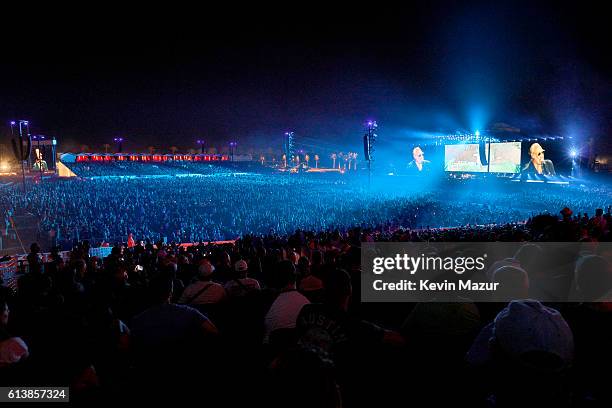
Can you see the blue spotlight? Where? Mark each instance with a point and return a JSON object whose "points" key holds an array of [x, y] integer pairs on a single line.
{"points": [[477, 133], [573, 153]]}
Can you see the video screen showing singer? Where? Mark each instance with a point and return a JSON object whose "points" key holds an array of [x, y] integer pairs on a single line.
{"points": [[537, 164], [419, 165]]}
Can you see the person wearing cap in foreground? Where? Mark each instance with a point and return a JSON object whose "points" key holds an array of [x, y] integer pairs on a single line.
{"points": [[526, 352], [591, 323], [241, 284], [537, 164], [204, 290], [513, 284]]}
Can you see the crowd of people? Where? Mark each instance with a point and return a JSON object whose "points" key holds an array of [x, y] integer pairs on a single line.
{"points": [[277, 320], [93, 169], [139, 169], [227, 205]]}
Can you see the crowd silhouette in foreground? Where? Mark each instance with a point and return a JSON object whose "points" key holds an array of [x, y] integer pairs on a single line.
{"points": [[277, 320]]}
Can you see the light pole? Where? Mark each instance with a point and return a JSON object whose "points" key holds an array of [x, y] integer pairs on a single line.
{"points": [[12, 138], [232, 146], [289, 145], [53, 153], [201, 143], [22, 146], [368, 146], [119, 142], [24, 126]]}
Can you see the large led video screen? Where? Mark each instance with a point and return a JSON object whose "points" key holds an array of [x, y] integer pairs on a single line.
{"points": [[505, 158], [463, 158]]}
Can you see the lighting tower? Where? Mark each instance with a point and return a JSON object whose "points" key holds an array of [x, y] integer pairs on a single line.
{"points": [[232, 146], [368, 145], [201, 143], [119, 142], [22, 145], [289, 146]]}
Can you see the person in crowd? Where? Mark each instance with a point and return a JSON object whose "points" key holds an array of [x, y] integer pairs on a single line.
{"points": [[329, 326], [241, 285], [204, 290], [109, 339], [302, 267], [284, 311], [168, 339], [513, 283], [510, 261], [438, 334], [525, 355], [12, 349], [308, 373], [34, 257], [591, 323], [598, 224], [311, 284], [182, 321], [593, 279]]}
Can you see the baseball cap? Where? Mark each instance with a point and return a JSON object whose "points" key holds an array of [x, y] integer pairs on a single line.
{"points": [[206, 269], [522, 327], [498, 264], [513, 283], [241, 266]]}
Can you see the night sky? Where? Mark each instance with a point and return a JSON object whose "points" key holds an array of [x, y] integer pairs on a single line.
{"points": [[169, 77]]}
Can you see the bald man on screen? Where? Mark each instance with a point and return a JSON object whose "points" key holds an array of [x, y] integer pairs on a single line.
{"points": [[418, 165], [537, 164]]}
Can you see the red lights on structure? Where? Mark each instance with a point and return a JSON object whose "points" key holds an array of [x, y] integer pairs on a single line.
{"points": [[94, 157]]}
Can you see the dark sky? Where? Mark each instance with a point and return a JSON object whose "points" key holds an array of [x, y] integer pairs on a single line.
{"points": [[170, 76]]}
